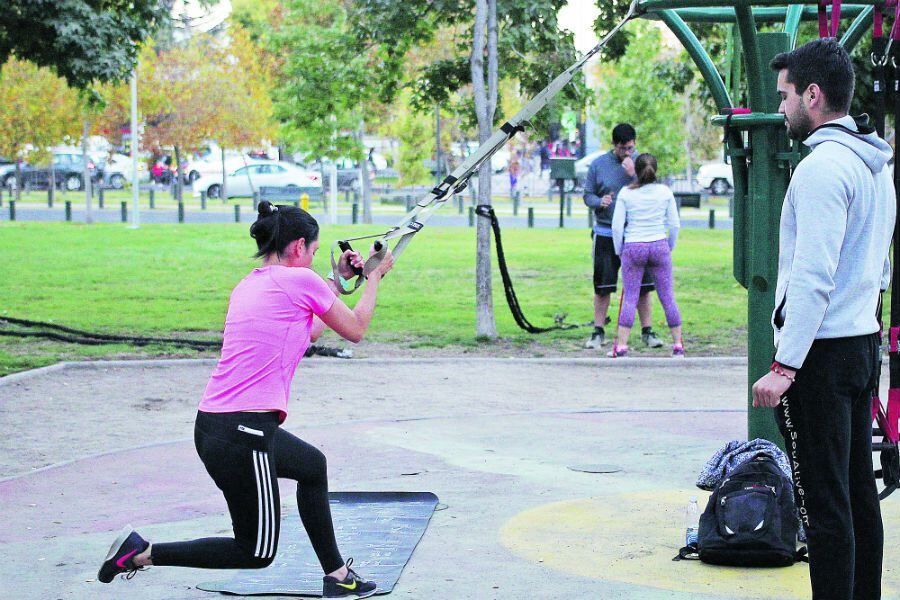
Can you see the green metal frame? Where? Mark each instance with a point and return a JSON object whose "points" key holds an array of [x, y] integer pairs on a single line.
{"points": [[760, 152]]}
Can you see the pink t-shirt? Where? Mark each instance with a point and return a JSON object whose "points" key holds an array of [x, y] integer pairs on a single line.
{"points": [[270, 315]]}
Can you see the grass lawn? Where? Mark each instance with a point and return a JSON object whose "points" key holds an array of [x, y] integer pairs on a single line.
{"points": [[175, 280]]}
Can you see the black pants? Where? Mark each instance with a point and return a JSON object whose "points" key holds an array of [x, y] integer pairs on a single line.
{"points": [[826, 420], [245, 454]]}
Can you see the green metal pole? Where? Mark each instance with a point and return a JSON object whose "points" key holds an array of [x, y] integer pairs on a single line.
{"points": [[750, 44], [700, 57], [768, 180], [760, 14], [792, 22], [857, 29], [645, 6]]}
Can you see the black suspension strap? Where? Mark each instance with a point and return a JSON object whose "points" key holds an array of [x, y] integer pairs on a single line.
{"points": [[487, 211]]}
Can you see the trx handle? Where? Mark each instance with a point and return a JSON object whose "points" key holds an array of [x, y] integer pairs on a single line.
{"points": [[362, 273]]}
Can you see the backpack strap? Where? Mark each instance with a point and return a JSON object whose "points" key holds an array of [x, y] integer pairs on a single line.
{"points": [[689, 552]]}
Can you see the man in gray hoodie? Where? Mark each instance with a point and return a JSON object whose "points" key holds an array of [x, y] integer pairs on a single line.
{"points": [[836, 226]]}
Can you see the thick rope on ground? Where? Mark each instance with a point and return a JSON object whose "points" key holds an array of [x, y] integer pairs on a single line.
{"points": [[487, 211]]}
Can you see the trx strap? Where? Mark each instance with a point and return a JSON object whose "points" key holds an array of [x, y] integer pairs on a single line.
{"points": [[487, 211], [457, 181], [826, 30]]}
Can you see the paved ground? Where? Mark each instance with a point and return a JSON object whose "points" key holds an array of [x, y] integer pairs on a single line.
{"points": [[86, 450]]}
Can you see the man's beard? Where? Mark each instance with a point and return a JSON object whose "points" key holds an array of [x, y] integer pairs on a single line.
{"points": [[800, 125]]}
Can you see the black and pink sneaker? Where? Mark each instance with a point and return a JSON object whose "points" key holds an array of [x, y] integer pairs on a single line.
{"points": [[618, 352], [678, 350], [120, 558]]}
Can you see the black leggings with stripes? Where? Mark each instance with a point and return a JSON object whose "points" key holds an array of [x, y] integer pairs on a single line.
{"points": [[245, 453]]}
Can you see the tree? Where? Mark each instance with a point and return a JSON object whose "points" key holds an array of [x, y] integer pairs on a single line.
{"points": [[206, 89], [637, 89], [82, 40], [37, 110], [326, 83], [484, 86]]}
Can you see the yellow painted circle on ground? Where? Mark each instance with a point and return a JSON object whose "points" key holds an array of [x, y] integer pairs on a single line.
{"points": [[631, 539]]}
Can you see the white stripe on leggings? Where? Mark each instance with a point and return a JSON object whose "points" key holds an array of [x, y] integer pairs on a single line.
{"points": [[272, 511], [259, 505]]}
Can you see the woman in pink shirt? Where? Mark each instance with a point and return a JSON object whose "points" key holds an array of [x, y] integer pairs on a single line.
{"points": [[273, 315]]}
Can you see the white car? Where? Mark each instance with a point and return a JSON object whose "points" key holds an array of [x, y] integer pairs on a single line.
{"points": [[247, 179], [212, 165], [584, 163], [117, 170], [716, 177]]}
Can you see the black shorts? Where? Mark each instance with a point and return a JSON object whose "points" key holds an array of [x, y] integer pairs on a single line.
{"points": [[606, 268]]}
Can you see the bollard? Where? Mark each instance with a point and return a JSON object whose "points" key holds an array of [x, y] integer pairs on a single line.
{"points": [[346, 195], [152, 198], [590, 214], [237, 213], [1, 197], [50, 191], [68, 210], [100, 197], [731, 207], [355, 214], [355, 197], [124, 211], [173, 190], [471, 216], [304, 201], [712, 218], [12, 210], [530, 217], [460, 202], [202, 200], [516, 198], [568, 205], [255, 201], [181, 212], [409, 202]]}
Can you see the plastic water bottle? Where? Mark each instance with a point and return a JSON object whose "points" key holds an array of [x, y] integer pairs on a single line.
{"points": [[691, 522]]}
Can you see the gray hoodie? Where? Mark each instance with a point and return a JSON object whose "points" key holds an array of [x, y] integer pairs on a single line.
{"points": [[836, 226]]}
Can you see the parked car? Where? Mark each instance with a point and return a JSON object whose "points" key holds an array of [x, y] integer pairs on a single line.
{"points": [[117, 170], [211, 164], [584, 163], [716, 177], [69, 173], [268, 173], [347, 173]]}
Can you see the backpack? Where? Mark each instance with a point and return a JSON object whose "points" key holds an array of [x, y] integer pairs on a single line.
{"points": [[750, 519]]}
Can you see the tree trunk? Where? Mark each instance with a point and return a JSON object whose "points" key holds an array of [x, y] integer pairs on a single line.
{"points": [[18, 180], [485, 35], [365, 186], [178, 180], [86, 176], [223, 191], [51, 184]]}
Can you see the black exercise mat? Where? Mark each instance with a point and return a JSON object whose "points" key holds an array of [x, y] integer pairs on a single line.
{"points": [[379, 530]]}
